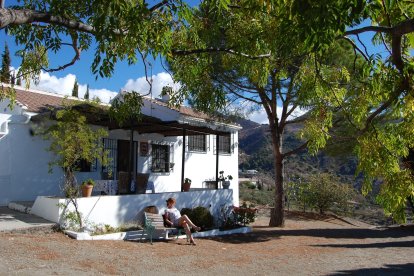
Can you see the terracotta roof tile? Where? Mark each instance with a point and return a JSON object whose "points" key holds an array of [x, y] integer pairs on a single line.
{"points": [[37, 101]]}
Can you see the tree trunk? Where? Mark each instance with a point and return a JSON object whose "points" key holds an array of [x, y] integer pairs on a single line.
{"points": [[277, 216]]}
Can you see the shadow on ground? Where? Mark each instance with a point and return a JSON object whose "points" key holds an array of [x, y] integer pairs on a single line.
{"points": [[391, 269], [372, 245], [263, 234]]}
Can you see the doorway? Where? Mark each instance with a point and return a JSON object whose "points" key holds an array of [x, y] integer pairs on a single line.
{"points": [[123, 157]]}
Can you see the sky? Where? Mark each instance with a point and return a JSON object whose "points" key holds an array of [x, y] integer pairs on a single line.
{"points": [[125, 77]]}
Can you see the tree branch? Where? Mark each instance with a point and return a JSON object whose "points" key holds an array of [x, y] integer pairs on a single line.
{"points": [[381, 29], [298, 149], [25, 16], [74, 59], [159, 5], [404, 27], [212, 50], [233, 91]]}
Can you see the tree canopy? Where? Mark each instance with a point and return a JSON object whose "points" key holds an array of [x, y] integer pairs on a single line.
{"points": [[373, 101]]}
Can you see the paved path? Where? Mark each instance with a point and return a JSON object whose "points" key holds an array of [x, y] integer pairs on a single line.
{"points": [[13, 220]]}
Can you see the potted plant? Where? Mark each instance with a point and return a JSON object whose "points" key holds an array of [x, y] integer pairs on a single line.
{"points": [[87, 187], [186, 184], [225, 180]]}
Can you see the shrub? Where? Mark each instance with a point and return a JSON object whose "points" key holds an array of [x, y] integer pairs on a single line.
{"points": [[187, 211], [200, 216], [249, 185], [245, 214], [323, 191]]}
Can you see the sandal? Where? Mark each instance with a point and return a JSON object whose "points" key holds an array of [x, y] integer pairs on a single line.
{"points": [[197, 228], [192, 242]]}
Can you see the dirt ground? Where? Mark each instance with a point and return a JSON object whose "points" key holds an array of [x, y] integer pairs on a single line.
{"points": [[307, 245]]}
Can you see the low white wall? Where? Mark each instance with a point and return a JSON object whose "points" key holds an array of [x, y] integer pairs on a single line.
{"points": [[118, 210]]}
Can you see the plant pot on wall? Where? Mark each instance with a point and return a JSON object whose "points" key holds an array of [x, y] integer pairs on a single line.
{"points": [[87, 187], [87, 190], [226, 184], [186, 185]]}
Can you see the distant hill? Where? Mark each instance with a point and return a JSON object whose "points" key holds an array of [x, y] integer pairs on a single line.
{"points": [[256, 153]]}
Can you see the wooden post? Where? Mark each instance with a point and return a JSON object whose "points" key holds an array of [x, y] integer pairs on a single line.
{"points": [[183, 161], [131, 158], [217, 160]]}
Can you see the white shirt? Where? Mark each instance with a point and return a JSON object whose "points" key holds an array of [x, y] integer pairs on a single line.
{"points": [[173, 215]]}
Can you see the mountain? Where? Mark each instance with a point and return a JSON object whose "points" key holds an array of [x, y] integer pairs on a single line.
{"points": [[255, 152]]}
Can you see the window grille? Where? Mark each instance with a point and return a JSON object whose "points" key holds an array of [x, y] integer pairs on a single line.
{"points": [[197, 143], [225, 144], [160, 158], [110, 146]]}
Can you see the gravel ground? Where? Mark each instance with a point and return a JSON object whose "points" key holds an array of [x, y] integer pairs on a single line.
{"points": [[307, 245]]}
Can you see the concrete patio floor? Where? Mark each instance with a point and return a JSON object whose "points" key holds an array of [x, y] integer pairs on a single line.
{"points": [[14, 220]]}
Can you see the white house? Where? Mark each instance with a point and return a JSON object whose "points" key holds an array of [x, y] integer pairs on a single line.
{"points": [[168, 145]]}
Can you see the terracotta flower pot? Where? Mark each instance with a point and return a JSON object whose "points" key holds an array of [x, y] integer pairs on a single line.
{"points": [[186, 186], [87, 190]]}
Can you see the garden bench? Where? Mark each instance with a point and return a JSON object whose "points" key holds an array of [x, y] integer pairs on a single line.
{"points": [[155, 222]]}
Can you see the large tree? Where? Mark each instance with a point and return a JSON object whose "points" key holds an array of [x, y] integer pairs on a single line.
{"points": [[279, 84], [376, 105]]}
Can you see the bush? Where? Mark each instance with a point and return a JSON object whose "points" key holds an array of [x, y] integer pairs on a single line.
{"points": [[258, 197], [187, 211], [323, 191], [249, 185], [200, 216], [245, 214]]}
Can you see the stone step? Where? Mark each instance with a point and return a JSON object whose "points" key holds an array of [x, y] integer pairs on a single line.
{"points": [[21, 206]]}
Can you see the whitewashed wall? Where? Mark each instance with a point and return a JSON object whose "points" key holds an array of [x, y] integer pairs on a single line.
{"points": [[24, 161], [118, 210]]}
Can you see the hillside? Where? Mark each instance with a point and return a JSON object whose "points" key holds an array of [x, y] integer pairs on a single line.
{"points": [[256, 153]]}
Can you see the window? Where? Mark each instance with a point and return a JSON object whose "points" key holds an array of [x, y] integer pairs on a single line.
{"points": [[197, 143], [160, 158], [224, 144], [85, 166]]}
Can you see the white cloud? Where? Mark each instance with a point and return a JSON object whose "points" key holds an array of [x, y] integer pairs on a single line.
{"points": [[54, 84], [158, 82], [64, 86], [104, 95], [261, 117]]}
